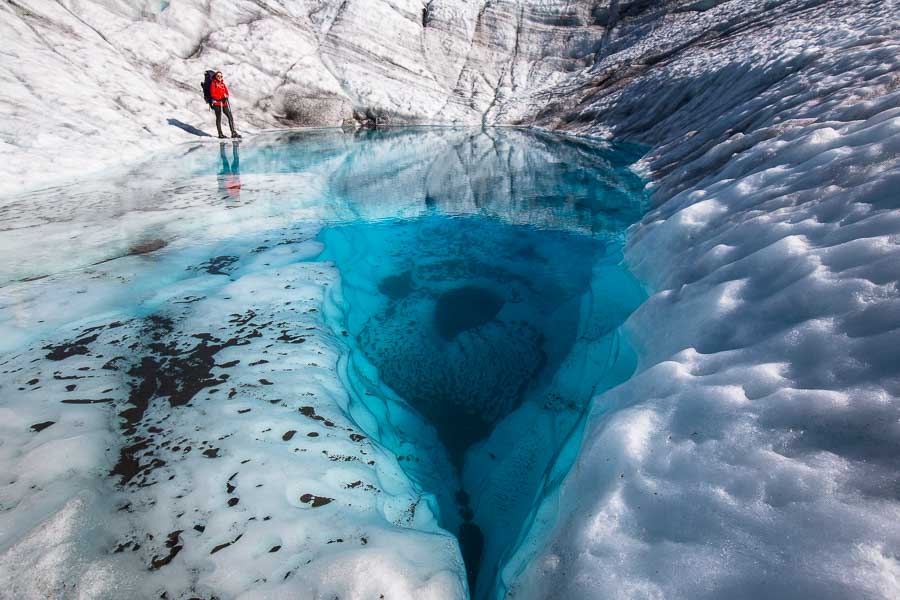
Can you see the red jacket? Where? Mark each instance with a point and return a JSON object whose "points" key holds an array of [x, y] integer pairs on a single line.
{"points": [[219, 92]]}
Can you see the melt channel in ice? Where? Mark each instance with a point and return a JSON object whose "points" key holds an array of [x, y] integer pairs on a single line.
{"points": [[307, 362]]}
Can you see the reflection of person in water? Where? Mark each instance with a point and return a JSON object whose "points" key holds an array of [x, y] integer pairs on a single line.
{"points": [[230, 175]]}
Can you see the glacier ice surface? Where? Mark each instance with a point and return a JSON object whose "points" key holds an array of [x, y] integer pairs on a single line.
{"points": [[754, 454]]}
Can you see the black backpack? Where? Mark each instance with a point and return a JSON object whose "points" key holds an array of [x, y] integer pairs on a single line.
{"points": [[207, 82]]}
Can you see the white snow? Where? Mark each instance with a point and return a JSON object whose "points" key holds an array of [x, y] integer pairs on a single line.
{"points": [[755, 454]]}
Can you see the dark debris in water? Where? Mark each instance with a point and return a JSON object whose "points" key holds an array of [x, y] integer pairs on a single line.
{"points": [[146, 247], [220, 265], [397, 287], [315, 501], [175, 371], [226, 544], [309, 411], [87, 400], [291, 339]]}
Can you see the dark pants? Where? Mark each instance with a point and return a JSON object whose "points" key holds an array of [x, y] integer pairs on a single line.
{"points": [[227, 110]]}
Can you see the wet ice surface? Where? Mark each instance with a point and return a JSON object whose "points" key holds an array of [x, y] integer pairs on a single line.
{"points": [[303, 363]]}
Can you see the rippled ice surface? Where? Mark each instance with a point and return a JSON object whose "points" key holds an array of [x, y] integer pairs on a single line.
{"points": [[272, 365]]}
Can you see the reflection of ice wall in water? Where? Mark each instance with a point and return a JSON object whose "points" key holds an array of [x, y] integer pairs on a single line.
{"points": [[323, 176]]}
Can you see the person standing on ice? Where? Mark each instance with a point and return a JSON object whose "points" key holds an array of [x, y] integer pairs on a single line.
{"points": [[218, 91]]}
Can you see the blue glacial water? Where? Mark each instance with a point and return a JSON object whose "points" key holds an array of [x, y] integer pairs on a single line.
{"points": [[494, 314], [474, 300]]}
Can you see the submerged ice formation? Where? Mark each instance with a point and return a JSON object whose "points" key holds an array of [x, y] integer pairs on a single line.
{"points": [[196, 444], [494, 333], [234, 448], [465, 333]]}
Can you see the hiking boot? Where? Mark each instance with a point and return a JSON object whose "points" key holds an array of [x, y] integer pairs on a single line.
{"points": [[222, 136], [235, 134]]}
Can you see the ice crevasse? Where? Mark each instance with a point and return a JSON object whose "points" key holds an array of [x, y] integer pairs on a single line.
{"points": [[755, 451]]}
